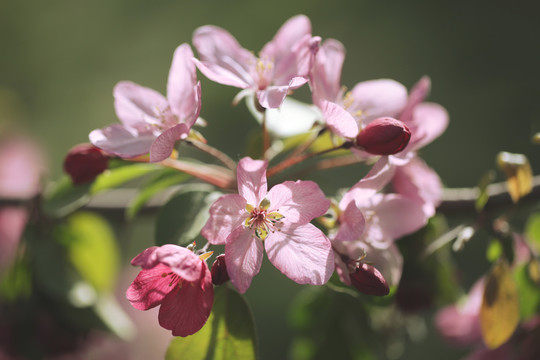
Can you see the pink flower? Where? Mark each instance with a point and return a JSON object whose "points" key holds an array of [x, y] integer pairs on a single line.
{"points": [[178, 280], [387, 216], [283, 64], [279, 219], [460, 325], [152, 123], [347, 113]]}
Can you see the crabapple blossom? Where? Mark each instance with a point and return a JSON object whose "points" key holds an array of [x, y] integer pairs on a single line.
{"points": [[384, 136], [283, 63], [278, 221], [178, 280], [347, 113], [152, 123]]}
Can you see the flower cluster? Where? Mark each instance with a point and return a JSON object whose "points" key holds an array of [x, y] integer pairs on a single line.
{"points": [[377, 123]]}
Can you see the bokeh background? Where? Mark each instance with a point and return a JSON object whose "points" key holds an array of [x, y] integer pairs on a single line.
{"points": [[60, 59]]}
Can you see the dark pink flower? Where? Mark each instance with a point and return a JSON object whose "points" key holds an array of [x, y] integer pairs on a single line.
{"points": [[384, 136], [152, 123], [277, 221], [283, 64], [178, 280], [84, 162]]}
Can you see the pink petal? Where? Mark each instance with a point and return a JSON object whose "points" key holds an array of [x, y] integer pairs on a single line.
{"points": [[326, 72], [290, 50], [299, 202], [163, 146], [417, 94], [378, 98], [419, 182], [21, 167], [339, 120], [273, 96], [187, 308], [182, 261], [149, 287], [251, 176], [122, 141], [351, 223], [226, 214], [286, 37], [399, 216], [135, 104], [223, 60], [243, 256], [182, 83], [430, 121], [302, 253], [380, 174]]}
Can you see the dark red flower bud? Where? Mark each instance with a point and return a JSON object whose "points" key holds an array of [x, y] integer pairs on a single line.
{"points": [[84, 162], [219, 271], [368, 280], [384, 136]]}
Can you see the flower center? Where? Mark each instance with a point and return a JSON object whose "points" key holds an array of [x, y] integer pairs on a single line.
{"points": [[265, 72], [263, 221], [175, 279]]}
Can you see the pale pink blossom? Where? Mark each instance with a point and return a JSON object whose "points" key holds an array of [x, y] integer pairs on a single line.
{"points": [[460, 324], [152, 123], [387, 216], [283, 63], [278, 221], [347, 113], [178, 280]]}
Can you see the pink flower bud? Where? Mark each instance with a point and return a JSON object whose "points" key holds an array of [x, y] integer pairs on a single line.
{"points": [[84, 162], [384, 136], [219, 271], [368, 280]]}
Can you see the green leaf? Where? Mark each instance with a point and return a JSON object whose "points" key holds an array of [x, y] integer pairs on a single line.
{"points": [[16, 282], [115, 177], [62, 198], [483, 195], [91, 249], [529, 293], [532, 229], [229, 333], [161, 182], [181, 219], [494, 250], [499, 313]]}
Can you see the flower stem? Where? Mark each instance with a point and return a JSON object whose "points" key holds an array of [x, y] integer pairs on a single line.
{"points": [[221, 156], [212, 174], [293, 160]]}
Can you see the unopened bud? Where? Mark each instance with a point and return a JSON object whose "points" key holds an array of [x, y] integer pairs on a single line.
{"points": [[384, 136], [219, 271], [368, 280], [84, 162]]}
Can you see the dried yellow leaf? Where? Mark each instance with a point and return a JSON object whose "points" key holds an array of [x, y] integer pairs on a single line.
{"points": [[499, 314], [519, 177]]}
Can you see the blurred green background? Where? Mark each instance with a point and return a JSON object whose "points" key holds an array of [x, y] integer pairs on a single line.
{"points": [[59, 61]]}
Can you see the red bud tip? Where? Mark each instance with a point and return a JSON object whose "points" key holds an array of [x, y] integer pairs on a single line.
{"points": [[368, 280], [384, 136], [219, 271], [84, 162]]}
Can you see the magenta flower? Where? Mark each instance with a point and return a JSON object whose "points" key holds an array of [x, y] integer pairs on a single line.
{"points": [[283, 64], [178, 280], [279, 219], [347, 113], [152, 123]]}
